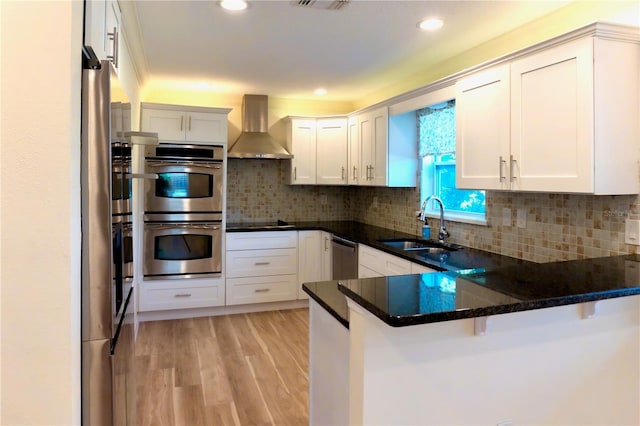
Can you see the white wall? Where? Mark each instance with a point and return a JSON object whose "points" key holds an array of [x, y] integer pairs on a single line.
{"points": [[540, 367], [40, 76]]}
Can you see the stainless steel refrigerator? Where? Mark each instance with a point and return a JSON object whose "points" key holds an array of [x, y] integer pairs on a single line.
{"points": [[108, 386]]}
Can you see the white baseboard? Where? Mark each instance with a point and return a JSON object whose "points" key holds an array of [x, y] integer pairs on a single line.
{"points": [[220, 310]]}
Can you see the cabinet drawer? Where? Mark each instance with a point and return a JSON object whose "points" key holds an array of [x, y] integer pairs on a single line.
{"points": [[253, 263], [261, 289], [261, 240], [182, 297]]}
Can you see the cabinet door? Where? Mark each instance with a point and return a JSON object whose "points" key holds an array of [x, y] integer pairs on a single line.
{"points": [[354, 151], [95, 29], [206, 127], [112, 35], [551, 119], [378, 170], [303, 146], [170, 125], [331, 151], [309, 259], [365, 142], [482, 130]]}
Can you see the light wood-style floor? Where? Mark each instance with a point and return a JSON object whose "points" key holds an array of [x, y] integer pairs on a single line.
{"points": [[245, 369]]}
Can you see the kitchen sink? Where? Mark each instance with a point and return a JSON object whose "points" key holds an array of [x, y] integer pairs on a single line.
{"points": [[416, 244]]}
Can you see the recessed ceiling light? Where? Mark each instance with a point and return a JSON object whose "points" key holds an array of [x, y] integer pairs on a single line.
{"points": [[233, 4], [320, 91], [430, 24]]}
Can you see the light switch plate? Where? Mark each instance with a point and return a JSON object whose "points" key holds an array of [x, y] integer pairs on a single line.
{"points": [[506, 216], [632, 232], [521, 220]]}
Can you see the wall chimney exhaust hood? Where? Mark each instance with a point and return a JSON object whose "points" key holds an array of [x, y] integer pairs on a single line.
{"points": [[254, 141]]}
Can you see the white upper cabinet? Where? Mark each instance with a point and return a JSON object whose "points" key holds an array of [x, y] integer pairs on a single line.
{"points": [[301, 142], [102, 29], [562, 118], [175, 123], [331, 150], [383, 149], [319, 148], [482, 129], [372, 137], [353, 153]]}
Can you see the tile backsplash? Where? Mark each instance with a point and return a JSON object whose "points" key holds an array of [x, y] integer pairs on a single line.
{"points": [[257, 190], [558, 226]]}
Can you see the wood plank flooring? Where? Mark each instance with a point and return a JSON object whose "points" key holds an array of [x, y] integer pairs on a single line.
{"points": [[245, 369]]}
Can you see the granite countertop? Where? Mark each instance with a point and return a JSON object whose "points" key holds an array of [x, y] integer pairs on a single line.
{"points": [[471, 283]]}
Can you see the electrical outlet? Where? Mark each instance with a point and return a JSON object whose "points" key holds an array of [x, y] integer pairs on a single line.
{"points": [[506, 216], [632, 232], [521, 220]]}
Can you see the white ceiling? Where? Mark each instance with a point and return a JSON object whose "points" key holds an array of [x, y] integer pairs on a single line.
{"points": [[281, 49]]}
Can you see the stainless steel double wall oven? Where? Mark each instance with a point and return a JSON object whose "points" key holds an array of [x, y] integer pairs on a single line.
{"points": [[183, 211]]}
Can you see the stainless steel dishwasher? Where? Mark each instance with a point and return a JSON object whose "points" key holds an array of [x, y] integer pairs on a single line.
{"points": [[344, 257]]}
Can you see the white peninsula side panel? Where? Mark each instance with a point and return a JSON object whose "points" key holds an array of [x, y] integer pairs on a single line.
{"points": [[548, 366], [328, 369]]}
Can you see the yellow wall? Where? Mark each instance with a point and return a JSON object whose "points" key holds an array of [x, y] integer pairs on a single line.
{"points": [[572, 16], [186, 93], [568, 18]]}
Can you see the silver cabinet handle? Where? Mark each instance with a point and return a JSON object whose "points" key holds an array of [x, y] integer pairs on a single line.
{"points": [[355, 175], [262, 263], [189, 123], [295, 173], [326, 243], [182, 295], [342, 174], [114, 39], [115, 47], [500, 166], [181, 123], [371, 172], [512, 162], [261, 290]]}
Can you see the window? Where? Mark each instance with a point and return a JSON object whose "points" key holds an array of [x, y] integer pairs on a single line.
{"points": [[437, 142]]}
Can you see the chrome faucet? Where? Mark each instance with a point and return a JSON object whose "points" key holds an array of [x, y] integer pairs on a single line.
{"points": [[442, 233]]}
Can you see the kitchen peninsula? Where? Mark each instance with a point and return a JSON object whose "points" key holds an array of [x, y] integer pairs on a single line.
{"points": [[512, 343]]}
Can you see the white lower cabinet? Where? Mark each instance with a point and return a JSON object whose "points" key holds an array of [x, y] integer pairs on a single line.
{"points": [[261, 267], [377, 263], [314, 258], [181, 294], [416, 268]]}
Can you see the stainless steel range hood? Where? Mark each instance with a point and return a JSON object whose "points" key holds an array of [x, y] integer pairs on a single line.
{"points": [[254, 141]]}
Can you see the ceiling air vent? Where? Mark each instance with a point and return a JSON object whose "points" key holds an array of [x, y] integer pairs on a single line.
{"points": [[322, 4]]}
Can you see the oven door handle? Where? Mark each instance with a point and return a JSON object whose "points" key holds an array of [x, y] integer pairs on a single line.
{"points": [[183, 163], [180, 226]]}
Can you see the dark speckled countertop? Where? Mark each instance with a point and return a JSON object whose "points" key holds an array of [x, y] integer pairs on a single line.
{"points": [[472, 283]]}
